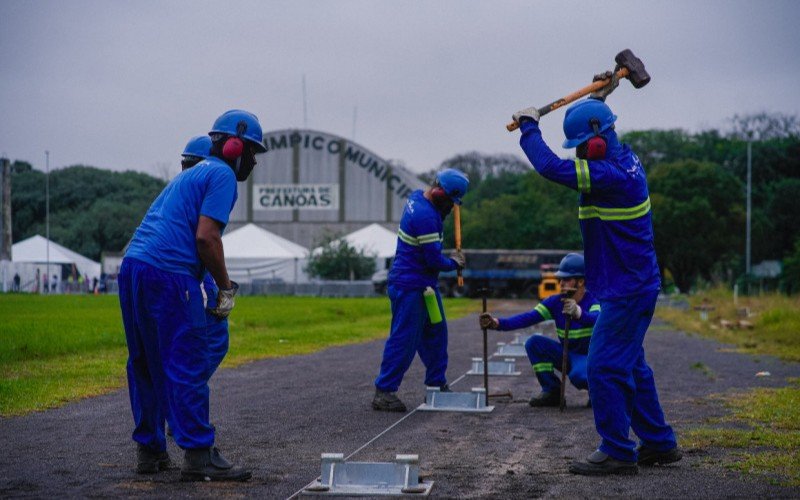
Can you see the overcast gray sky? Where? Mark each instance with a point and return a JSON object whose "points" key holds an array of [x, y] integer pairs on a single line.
{"points": [[124, 84]]}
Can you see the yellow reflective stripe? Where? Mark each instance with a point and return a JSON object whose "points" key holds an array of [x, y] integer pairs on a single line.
{"points": [[543, 367], [604, 213], [595, 307], [429, 238], [406, 238], [578, 333], [582, 174], [541, 309]]}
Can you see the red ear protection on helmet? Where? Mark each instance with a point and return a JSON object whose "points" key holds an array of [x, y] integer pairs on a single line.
{"points": [[439, 196], [596, 146], [234, 146]]}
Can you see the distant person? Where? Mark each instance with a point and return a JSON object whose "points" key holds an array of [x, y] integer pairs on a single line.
{"points": [[418, 261], [162, 303], [54, 284], [45, 284], [545, 354], [15, 286], [621, 271], [37, 281], [95, 290]]}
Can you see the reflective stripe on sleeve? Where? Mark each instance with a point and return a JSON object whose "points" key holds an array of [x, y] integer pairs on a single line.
{"points": [[543, 367], [541, 309], [595, 307], [419, 240], [582, 174], [605, 213]]}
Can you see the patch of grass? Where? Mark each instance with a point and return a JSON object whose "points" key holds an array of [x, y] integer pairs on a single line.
{"points": [[765, 425], [56, 349], [704, 369], [775, 319]]}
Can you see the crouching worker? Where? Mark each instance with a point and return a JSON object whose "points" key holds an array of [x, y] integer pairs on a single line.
{"points": [[417, 263], [545, 354]]}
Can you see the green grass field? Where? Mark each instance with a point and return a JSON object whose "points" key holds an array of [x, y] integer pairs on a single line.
{"points": [[56, 349], [763, 427]]}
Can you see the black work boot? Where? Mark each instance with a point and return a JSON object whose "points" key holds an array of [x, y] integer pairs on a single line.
{"points": [[150, 462], [600, 464], [208, 464], [445, 388], [387, 401], [649, 456], [545, 399]]}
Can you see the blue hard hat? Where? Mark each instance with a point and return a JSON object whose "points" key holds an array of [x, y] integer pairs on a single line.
{"points": [[578, 121], [454, 182], [241, 124], [571, 266], [199, 146]]}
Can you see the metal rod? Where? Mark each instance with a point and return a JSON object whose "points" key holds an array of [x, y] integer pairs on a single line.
{"points": [[562, 402], [485, 351]]}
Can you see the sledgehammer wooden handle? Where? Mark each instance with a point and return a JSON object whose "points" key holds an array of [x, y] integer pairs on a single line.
{"points": [[457, 224], [622, 73]]}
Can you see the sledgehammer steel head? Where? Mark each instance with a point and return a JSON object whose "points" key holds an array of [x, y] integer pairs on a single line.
{"points": [[636, 72]]}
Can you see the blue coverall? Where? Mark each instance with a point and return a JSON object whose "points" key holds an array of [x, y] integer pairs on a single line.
{"points": [[170, 357], [545, 353], [622, 272], [417, 263]]}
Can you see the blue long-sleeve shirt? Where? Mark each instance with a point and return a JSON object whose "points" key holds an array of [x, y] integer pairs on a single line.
{"points": [[614, 214], [418, 258], [580, 331]]}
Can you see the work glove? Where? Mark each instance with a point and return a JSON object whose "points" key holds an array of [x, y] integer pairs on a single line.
{"points": [[526, 114], [225, 301], [458, 256], [488, 321], [571, 308], [608, 88]]}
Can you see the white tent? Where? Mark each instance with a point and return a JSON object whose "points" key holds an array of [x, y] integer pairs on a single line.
{"points": [[34, 251], [252, 253], [372, 240]]}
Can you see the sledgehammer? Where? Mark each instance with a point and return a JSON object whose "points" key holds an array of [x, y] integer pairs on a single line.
{"points": [[628, 66]]}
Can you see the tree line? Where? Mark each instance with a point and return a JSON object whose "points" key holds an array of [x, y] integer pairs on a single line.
{"points": [[697, 188]]}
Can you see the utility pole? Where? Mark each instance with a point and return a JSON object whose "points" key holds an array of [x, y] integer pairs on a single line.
{"points": [[47, 214], [5, 210], [747, 230], [305, 110]]}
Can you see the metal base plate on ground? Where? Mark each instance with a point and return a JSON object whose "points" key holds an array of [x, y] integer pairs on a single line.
{"points": [[341, 478], [512, 350], [473, 401], [505, 368]]}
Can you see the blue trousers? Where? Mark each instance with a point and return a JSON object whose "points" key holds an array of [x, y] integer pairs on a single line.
{"points": [[623, 390], [217, 329], [412, 333], [545, 356], [168, 355], [218, 339]]}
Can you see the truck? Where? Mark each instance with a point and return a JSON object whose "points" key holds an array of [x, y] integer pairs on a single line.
{"points": [[528, 274]]}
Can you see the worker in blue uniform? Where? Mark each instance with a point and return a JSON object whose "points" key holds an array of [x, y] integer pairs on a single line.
{"points": [[417, 263], [196, 150], [621, 271], [163, 309], [545, 354]]}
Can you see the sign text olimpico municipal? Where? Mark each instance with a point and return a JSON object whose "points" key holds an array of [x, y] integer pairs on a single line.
{"points": [[291, 196], [352, 153]]}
